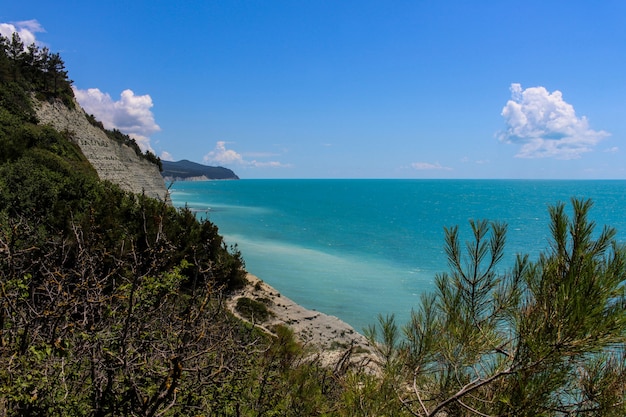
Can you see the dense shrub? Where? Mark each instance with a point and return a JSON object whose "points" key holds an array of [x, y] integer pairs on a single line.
{"points": [[252, 310]]}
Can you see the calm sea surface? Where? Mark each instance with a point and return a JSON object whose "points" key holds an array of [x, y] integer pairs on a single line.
{"points": [[357, 248]]}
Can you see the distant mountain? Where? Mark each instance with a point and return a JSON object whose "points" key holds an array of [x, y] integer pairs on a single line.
{"points": [[187, 170]]}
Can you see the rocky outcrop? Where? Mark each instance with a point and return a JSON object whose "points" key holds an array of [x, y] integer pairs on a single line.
{"points": [[112, 161]]}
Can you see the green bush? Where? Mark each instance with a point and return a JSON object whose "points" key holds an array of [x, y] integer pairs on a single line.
{"points": [[252, 310]]}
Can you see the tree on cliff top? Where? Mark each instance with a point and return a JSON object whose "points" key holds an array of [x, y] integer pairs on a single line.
{"points": [[34, 68]]}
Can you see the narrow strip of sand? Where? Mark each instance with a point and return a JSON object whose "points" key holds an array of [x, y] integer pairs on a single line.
{"points": [[328, 335]]}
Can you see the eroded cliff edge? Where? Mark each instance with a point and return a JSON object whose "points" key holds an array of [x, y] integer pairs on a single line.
{"points": [[112, 161]]}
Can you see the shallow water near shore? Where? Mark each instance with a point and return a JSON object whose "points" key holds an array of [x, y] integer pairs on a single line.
{"points": [[357, 248]]}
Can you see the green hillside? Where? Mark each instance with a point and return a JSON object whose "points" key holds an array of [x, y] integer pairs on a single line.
{"points": [[110, 303], [186, 169]]}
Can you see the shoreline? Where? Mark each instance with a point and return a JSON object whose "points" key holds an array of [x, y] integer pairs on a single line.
{"points": [[329, 336]]}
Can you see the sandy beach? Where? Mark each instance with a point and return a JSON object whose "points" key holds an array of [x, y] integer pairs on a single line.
{"points": [[327, 335]]}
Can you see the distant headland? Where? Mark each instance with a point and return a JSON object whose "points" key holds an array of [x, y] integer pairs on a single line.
{"points": [[191, 171]]}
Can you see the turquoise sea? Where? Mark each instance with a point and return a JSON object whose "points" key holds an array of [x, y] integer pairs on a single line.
{"points": [[357, 248]]}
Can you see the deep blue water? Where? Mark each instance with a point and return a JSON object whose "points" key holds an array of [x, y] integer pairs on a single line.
{"points": [[357, 248]]}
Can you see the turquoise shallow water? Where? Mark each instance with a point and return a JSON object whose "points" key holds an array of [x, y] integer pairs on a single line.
{"points": [[357, 248]]}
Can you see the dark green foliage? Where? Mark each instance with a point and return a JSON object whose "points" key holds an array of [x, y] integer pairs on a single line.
{"points": [[14, 102], [34, 70], [252, 310], [154, 159], [124, 139], [110, 303], [287, 384], [547, 338], [101, 304], [93, 121]]}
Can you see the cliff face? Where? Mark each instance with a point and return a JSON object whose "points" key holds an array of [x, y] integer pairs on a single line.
{"points": [[112, 161]]}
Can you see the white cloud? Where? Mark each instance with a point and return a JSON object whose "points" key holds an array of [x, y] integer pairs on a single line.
{"points": [[220, 155], [26, 29], [545, 125], [166, 156], [423, 166], [268, 164], [467, 160], [614, 149], [130, 114]]}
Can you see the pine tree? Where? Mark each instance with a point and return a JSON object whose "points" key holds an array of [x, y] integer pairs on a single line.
{"points": [[546, 338]]}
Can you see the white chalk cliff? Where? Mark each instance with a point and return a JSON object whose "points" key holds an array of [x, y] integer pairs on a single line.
{"points": [[112, 161]]}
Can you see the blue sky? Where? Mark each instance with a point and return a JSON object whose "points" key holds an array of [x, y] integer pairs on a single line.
{"points": [[352, 89]]}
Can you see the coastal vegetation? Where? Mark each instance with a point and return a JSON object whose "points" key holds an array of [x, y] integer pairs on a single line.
{"points": [[252, 310], [546, 338], [113, 304], [36, 69], [26, 69]]}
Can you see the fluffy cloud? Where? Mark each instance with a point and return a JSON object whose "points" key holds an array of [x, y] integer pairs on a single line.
{"points": [[26, 29], [220, 155], [130, 114], [423, 166], [545, 125], [166, 156]]}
